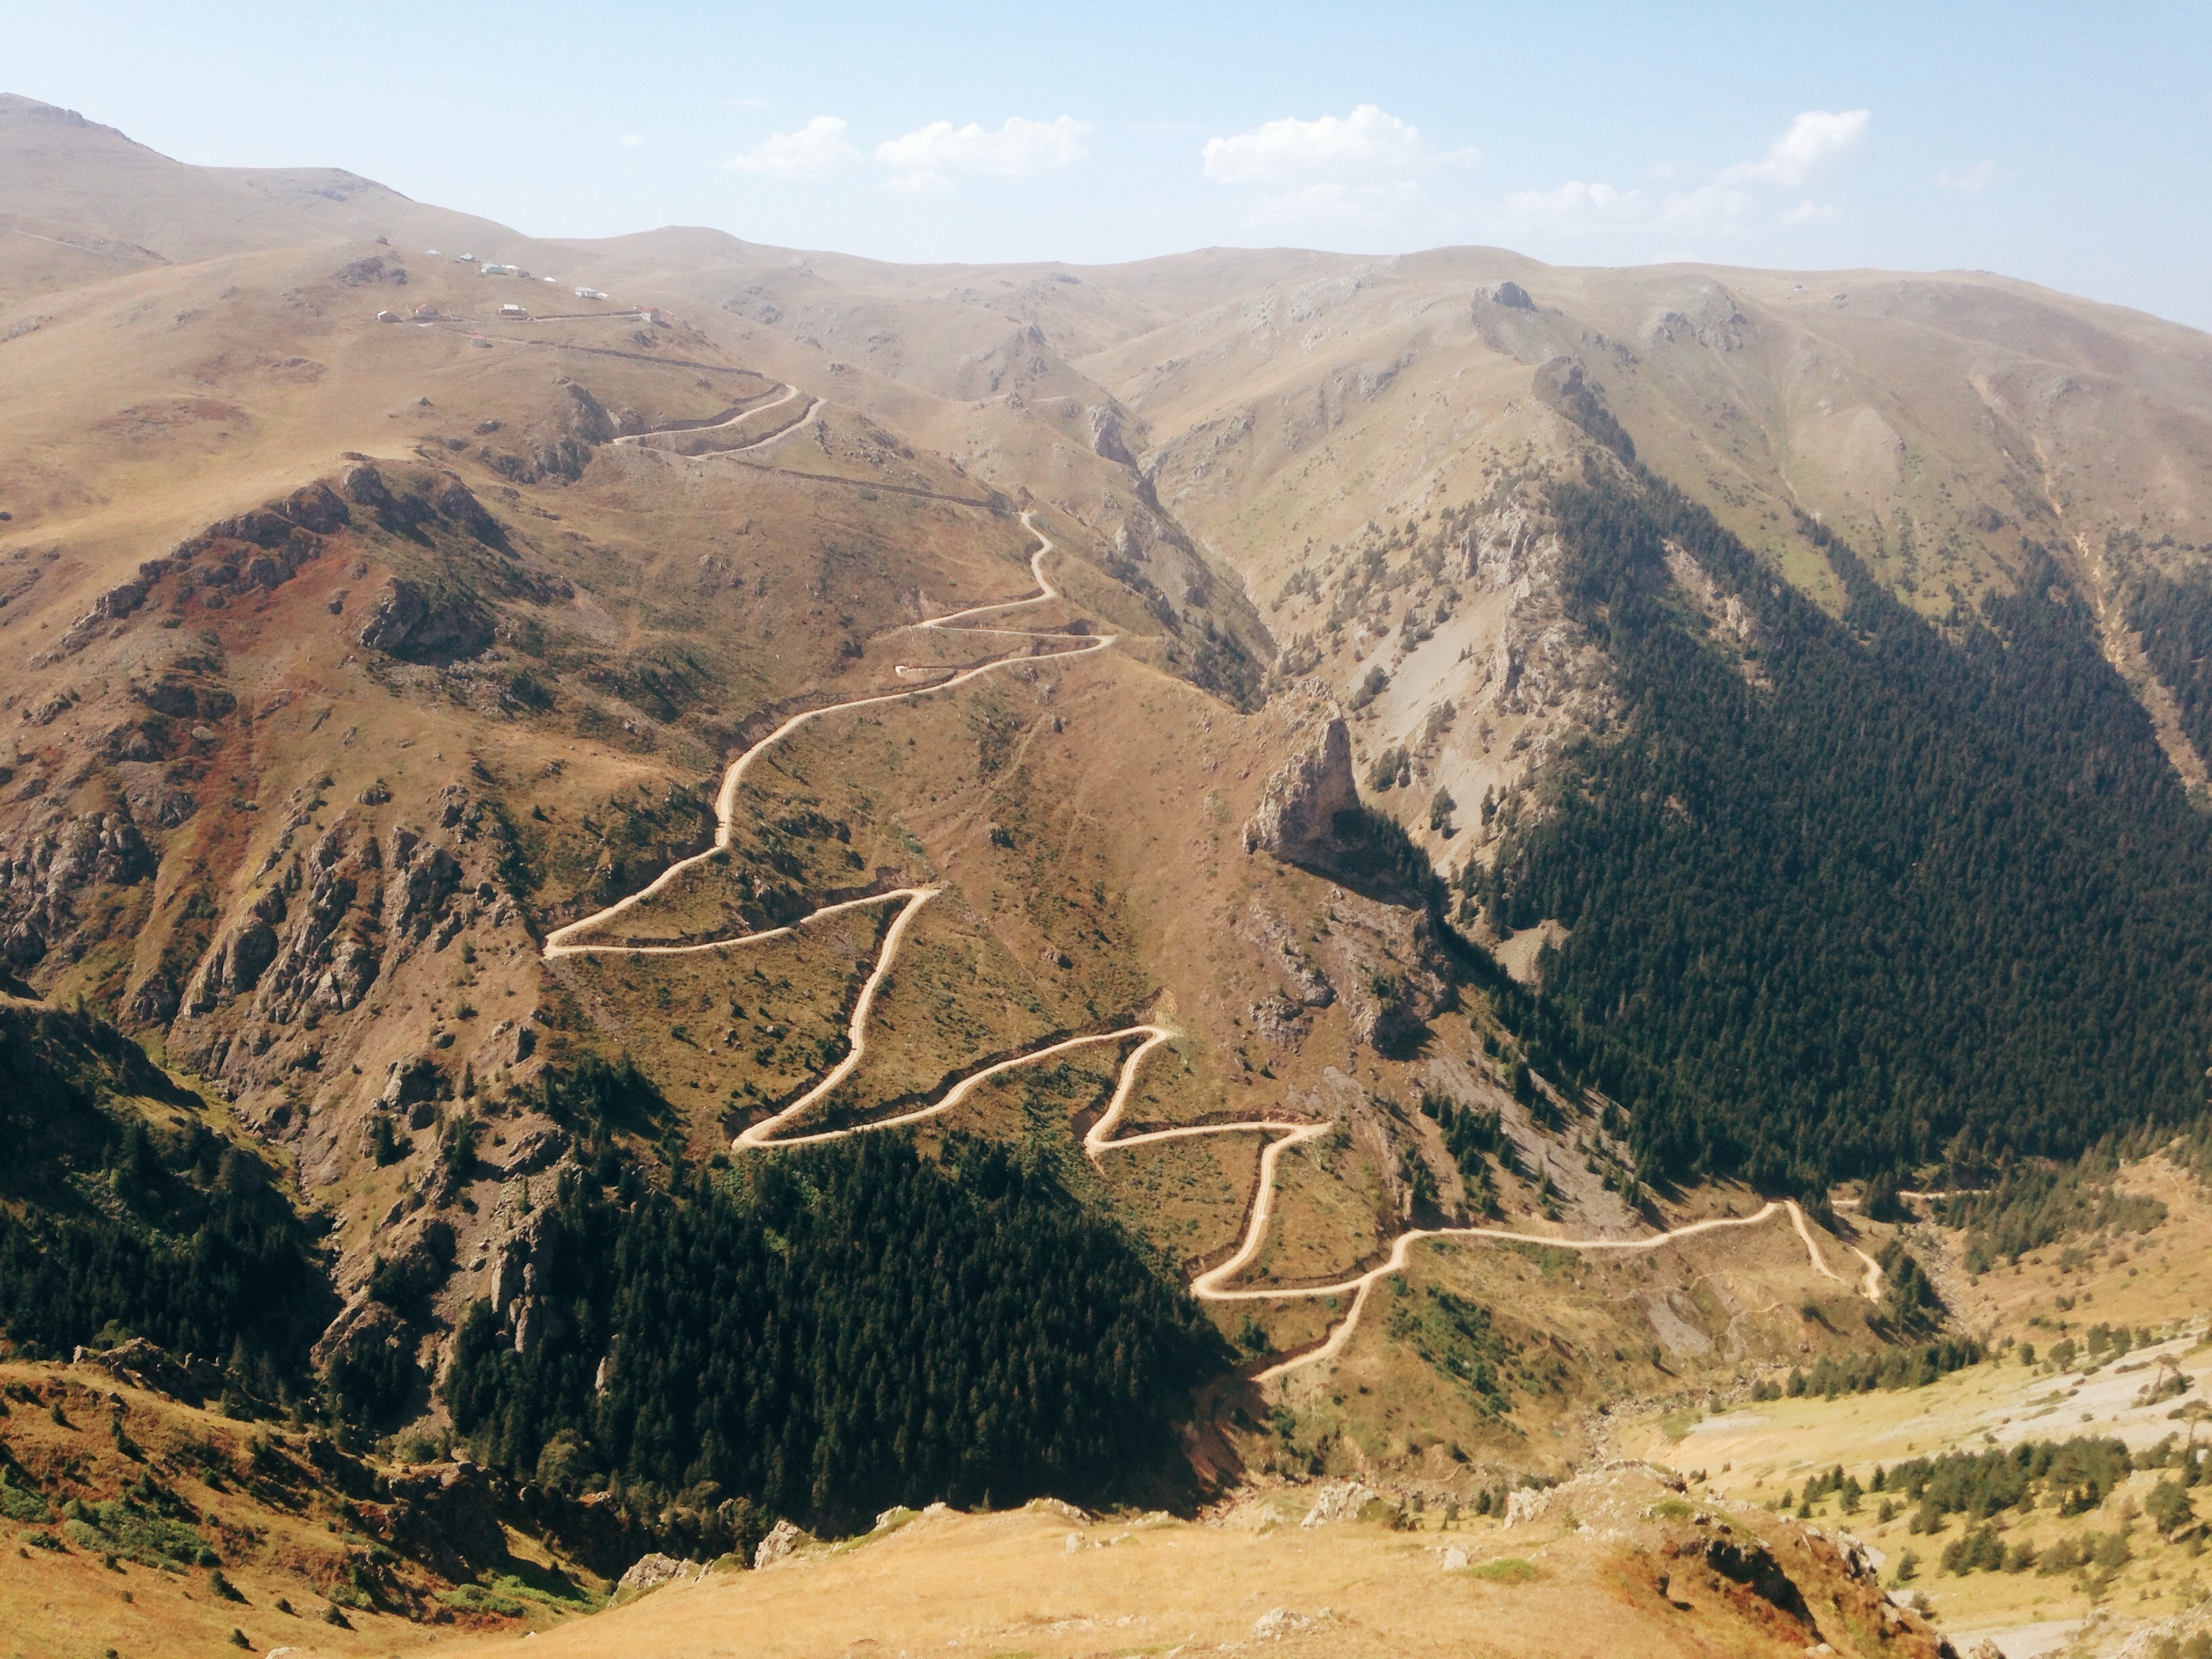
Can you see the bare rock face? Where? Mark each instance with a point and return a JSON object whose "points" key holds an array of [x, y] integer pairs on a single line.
{"points": [[1106, 437], [1297, 817], [398, 608], [1392, 973], [54, 860]]}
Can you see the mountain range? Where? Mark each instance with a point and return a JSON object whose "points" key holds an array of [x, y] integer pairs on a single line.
{"points": [[1416, 746]]}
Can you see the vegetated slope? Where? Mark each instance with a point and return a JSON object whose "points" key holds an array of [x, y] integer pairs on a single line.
{"points": [[2173, 615], [139, 1518], [123, 1214], [1844, 889], [308, 771], [850, 1327]]}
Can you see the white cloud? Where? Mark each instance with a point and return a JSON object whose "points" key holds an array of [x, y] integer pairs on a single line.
{"points": [[819, 147], [1980, 176], [1366, 144], [632, 140], [1811, 213], [1018, 150], [1578, 205], [1816, 137], [1709, 207], [1330, 201]]}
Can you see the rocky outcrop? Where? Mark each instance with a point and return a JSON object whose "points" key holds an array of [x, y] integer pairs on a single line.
{"points": [[1713, 320], [1343, 1500], [782, 1541], [322, 929], [588, 419], [185, 689], [1106, 439], [419, 877], [407, 621], [360, 273], [447, 1516], [235, 967], [364, 486], [52, 865], [370, 1339], [325, 959], [538, 1150], [1540, 662], [1393, 974], [1297, 818], [260, 548], [456, 504], [418, 505], [1562, 384], [412, 1082], [649, 1573], [147, 1366]]}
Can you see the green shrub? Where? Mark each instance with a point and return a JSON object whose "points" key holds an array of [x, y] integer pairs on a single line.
{"points": [[1505, 1570]]}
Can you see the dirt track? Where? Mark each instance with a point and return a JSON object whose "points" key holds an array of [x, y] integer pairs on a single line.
{"points": [[1212, 1285]]}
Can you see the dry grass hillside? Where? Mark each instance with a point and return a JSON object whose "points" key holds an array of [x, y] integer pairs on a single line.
{"points": [[1644, 1573], [143, 1527], [382, 627], [2142, 1276], [140, 1523]]}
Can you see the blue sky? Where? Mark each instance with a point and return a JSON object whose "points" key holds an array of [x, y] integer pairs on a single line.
{"points": [[2069, 145]]}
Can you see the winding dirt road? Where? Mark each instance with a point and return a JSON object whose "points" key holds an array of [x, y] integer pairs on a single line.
{"points": [[1212, 1285], [561, 941], [637, 438]]}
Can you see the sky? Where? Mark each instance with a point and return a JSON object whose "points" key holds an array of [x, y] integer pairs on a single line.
{"points": [[2070, 146]]}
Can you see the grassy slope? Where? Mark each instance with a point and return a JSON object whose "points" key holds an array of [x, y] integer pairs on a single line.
{"points": [[282, 1527], [1015, 1584], [2158, 1279]]}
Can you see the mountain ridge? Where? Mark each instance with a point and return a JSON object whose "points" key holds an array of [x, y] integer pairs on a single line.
{"points": [[377, 628]]}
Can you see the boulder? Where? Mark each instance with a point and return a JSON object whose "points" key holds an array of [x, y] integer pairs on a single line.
{"points": [[782, 1541], [412, 1080], [649, 1573], [1343, 1500], [536, 1151]]}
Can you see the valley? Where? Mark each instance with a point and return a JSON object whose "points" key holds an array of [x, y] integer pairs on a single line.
{"points": [[1319, 905]]}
